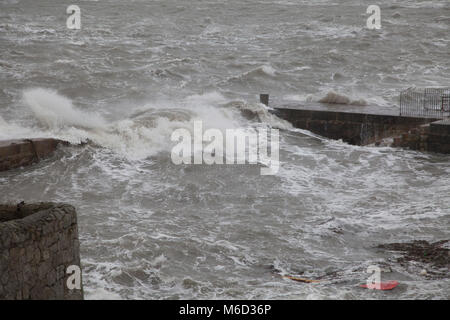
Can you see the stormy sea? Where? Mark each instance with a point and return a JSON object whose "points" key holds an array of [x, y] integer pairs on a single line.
{"points": [[135, 71]]}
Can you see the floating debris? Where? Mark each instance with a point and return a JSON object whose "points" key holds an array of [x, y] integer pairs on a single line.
{"points": [[301, 279], [388, 285]]}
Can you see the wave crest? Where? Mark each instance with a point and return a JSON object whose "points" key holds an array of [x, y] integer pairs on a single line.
{"points": [[336, 98]]}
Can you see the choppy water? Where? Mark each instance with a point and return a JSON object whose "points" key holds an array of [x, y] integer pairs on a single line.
{"points": [[137, 70]]}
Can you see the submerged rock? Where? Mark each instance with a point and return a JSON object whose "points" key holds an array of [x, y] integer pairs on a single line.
{"points": [[436, 255]]}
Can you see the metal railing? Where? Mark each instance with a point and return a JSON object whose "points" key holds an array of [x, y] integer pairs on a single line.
{"points": [[428, 102]]}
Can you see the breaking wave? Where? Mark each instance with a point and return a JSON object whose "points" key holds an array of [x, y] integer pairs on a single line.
{"points": [[261, 112], [336, 98], [260, 71], [147, 130], [54, 110], [331, 97]]}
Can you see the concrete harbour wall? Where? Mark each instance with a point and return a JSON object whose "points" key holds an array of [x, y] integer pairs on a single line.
{"points": [[354, 128], [370, 126]]}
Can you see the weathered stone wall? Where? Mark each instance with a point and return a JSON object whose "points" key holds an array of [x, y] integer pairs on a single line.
{"points": [[434, 137], [18, 153], [439, 136], [37, 244], [414, 139]]}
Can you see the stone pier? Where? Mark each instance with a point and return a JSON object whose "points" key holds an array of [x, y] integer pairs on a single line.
{"points": [[363, 125], [19, 153]]}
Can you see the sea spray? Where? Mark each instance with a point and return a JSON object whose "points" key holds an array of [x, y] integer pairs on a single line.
{"points": [[332, 97], [56, 111], [146, 132], [336, 98]]}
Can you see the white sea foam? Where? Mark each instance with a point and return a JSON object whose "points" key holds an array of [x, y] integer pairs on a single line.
{"points": [[56, 111], [336, 98], [15, 131], [330, 97], [147, 132], [102, 294], [260, 71], [263, 114], [132, 138]]}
